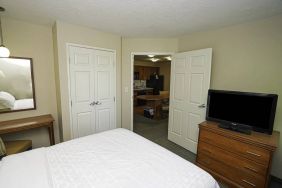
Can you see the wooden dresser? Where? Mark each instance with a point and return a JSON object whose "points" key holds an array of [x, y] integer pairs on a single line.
{"points": [[236, 159]]}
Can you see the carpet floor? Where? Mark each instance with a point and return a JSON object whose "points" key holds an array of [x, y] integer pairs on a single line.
{"points": [[157, 131]]}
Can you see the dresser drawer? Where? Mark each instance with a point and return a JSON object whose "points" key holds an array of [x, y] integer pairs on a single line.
{"points": [[241, 178], [228, 158], [249, 151]]}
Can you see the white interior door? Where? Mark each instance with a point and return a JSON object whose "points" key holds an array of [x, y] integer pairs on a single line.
{"points": [[92, 88], [190, 81], [104, 91]]}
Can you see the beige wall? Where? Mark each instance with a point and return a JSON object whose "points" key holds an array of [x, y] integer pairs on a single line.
{"points": [[164, 70], [68, 33], [35, 41], [130, 45], [246, 57]]}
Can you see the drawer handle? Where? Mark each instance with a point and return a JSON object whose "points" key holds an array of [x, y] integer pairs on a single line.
{"points": [[250, 168], [252, 153], [247, 182]]}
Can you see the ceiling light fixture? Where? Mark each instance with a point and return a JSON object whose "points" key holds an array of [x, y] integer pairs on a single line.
{"points": [[168, 58], [154, 59], [4, 52], [151, 55]]}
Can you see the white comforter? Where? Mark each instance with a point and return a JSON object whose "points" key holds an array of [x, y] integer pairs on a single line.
{"points": [[116, 158]]}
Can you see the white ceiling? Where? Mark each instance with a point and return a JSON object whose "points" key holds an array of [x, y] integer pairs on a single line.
{"points": [[143, 18]]}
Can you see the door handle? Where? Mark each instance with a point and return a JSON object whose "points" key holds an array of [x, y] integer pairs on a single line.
{"points": [[202, 106], [92, 104], [98, 103]]}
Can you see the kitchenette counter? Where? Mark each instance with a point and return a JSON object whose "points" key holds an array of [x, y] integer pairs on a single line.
{"points": [[143, 89]]}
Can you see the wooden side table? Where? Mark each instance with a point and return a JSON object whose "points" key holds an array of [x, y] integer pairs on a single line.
{"points": [[19, 125]]}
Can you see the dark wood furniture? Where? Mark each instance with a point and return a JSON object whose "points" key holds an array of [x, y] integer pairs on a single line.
{"points": [[144, 72], [18, 125], [237, 159], [140, 91], [155, 102]]}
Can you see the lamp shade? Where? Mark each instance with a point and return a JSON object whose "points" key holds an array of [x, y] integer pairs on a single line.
{"points": [[4, 52]]}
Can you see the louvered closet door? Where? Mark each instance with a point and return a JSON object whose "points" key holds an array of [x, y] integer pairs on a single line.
{"points": [[92, 87], [190, 81]]}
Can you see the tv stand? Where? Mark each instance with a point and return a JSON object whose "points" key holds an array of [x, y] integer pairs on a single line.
{"points": [[236, 159], [236, 127]]}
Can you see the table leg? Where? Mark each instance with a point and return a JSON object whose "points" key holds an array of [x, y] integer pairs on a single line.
{"points": [[158, 109], [51, 134]]}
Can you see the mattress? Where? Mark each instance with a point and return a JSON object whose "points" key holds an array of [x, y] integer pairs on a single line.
{"points": [[112, 159]]}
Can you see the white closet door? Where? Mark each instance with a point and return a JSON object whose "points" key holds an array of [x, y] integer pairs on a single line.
{"points": [[104, 91], [82, 91], [190, 81], [92, 83]]}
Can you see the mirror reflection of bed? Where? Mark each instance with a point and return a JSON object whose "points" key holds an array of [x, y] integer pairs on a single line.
{"points": [[16, 85]]}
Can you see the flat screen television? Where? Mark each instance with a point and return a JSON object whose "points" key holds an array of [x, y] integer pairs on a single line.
{"points": [[255, 110]]}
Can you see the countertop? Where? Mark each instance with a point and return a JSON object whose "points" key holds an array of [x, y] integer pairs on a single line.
{"points": [[143, 89]]}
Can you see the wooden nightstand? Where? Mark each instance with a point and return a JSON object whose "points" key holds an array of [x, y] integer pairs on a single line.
{"points": [[237, 159]]}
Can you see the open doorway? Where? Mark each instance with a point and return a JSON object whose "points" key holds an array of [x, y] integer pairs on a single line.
{"points": [[151, 97], [151, 87], [151, 81], [151, 90]]}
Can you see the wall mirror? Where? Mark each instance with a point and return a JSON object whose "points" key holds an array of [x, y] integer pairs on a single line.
{"points": [[16, 85]]}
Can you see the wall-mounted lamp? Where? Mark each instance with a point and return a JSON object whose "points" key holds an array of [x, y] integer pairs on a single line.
{"points": [[4, 52]]}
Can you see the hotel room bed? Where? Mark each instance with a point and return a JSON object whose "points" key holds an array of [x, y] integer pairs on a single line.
{"points": [[116, 158]]}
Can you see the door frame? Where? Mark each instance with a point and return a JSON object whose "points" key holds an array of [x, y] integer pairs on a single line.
{"points": [[68, 45], [132, 78]]}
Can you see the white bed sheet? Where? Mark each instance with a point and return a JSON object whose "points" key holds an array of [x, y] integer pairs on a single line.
{"points": [[112, 159]]}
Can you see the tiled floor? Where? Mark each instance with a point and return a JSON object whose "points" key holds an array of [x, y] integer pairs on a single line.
{"points": [[156, 131]]}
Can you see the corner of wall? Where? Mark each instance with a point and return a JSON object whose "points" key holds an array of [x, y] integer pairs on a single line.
{"points": [[57, 81]]}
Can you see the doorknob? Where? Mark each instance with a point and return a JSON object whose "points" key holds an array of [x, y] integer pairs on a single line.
{"points": [[98, 103], [92, 104], [202, 106]]}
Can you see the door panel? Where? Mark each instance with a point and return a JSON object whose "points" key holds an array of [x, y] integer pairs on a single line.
{"points": [[179, 85], [104, 91], [196, 88], [82, 86], [189, 87], [92, 91], [82, 91], [178, 121], [103, 119], [84, 123]]}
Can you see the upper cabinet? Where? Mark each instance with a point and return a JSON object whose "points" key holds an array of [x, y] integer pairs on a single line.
{"points": [[144, 73]]}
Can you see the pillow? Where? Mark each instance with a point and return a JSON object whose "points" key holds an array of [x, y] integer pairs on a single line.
{"points": [[6, 100], [2, 148]]}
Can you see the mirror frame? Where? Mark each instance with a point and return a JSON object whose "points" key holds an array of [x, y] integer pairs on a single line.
{"points": [[32, 81]]}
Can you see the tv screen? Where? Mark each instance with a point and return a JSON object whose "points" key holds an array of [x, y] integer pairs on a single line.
{"points": [[253, 109]]}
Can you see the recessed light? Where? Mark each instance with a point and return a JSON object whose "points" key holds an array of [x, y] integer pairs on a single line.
{"points": [[154, 59], [168, 58], [151, 55]]}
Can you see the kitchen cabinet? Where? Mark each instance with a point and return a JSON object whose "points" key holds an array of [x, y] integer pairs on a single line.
{"points": [[144, 72]]}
